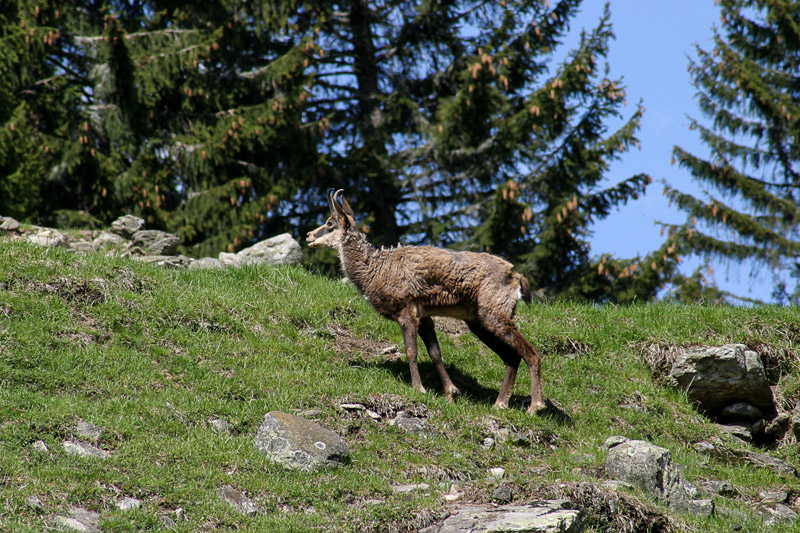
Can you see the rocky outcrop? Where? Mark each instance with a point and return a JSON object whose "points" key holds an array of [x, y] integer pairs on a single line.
{"points": [[127, 236], [300, 444]]}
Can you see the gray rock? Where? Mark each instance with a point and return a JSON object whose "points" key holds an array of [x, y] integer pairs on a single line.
{"points": [[48, 237], [87, 430], [650, 468], [779, 466], [503, 494], [614, 441], [40, 446], [410, 487], [34, 502], [278, 250], [9, 224], [713, 487], [79, 520], [156, 242], [106, 239], [127, 225], [219, 425], [773, 496], [239, 500], [695, 507], [552, 516], [205, 262], [777, 513], [740, 432], [177, 261], [778, 427], [298, 443], [128, 504], [414, 425], [720, 376], [83, 246], [82, 449], [741, 411], [230, 260]]}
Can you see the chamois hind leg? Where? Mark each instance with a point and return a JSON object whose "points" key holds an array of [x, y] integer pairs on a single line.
{"points": [[506, 332], [508, 355], [428, 333], [409, 325]]}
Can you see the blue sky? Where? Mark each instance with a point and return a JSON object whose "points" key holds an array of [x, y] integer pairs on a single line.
{"points": [[654, 40]]}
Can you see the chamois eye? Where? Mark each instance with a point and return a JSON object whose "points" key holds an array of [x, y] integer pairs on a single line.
{"points": [[329, 223]]}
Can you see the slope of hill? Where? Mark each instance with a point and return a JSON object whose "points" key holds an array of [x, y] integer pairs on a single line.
{"points": [[169, 374]]}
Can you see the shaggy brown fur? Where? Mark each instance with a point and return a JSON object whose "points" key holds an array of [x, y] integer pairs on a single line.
{"points": [[411, 284]]}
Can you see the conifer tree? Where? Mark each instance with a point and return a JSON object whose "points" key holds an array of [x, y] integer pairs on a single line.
{"points": [[748, 90], [449, 127]]}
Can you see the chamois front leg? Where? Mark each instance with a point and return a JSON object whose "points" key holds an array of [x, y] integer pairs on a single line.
{"points": [[428, 333], [409, 325]]}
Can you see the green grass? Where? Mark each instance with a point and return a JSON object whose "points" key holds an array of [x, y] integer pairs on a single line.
{"points": [[151, 355]]}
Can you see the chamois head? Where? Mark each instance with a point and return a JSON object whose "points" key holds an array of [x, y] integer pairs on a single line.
{"points": [[330, 234]]}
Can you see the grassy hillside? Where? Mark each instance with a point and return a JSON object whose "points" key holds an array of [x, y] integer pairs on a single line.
{"points": [[156, 356]]}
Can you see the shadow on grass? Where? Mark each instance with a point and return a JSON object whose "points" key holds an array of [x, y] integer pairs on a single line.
{"points": [[471, 390]]}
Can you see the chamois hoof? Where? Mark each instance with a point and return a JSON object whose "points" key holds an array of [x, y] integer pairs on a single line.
{"points": [[451, 392], [551, 409], [500, 405]]}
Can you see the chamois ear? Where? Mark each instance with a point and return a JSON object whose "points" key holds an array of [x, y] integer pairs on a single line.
{"points": [[344, 210], [347, 209]]}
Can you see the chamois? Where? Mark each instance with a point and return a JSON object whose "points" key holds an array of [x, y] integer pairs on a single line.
{"points": [[410, 284]]}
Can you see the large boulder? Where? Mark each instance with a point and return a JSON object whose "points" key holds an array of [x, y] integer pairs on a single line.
{"points": [[551, 516], [300, 444], [278, 250], [717, 377]]}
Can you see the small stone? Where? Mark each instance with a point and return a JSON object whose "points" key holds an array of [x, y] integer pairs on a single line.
{"points": [[107, 239], [741, 411], [299, 443], [9, 224], [773, 496], [219, 425], [47, 237], [127, 225], [796, 424], [713, 487], [373, 415], [503, 494], [695, 507], [35, 503], [778, 427], [79, 520], [40, 446], [780, 467], [82, 449], [703, 447], [411, 487], [777, 513], [352, 406], [310, 413], [390, 350], [488, 443], [205, 263], [412, 424], [87, 430], [156, 242], [614, 441], [497, 472], [128, 504], [227, 259], [83, 246], [239, 500], [742, 433], [615, 485]]}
